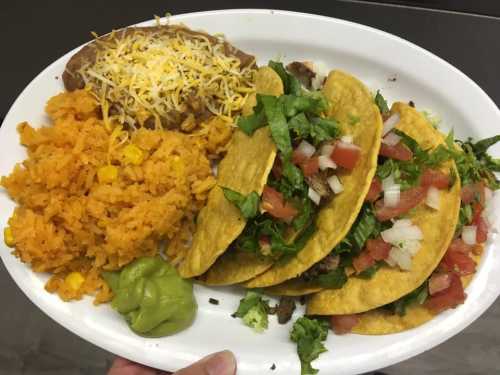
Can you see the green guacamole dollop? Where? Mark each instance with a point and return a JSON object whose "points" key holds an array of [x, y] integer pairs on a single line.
{"points": [[152, 297]]}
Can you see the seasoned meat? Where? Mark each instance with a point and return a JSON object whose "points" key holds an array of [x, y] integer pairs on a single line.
{"points": [[285, 309], [318, 183], [303, 72], [327, 264]]}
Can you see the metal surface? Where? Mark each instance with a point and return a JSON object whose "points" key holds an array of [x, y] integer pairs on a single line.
{"points": [[33, 36]]}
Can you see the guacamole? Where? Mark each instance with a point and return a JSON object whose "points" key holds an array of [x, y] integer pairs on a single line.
{"points": [[152, 297]]}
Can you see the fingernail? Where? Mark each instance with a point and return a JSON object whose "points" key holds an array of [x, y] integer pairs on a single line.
{"points": [[222, 363]]}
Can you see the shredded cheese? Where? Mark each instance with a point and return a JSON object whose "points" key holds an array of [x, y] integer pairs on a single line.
{"points": [[161, 74]]}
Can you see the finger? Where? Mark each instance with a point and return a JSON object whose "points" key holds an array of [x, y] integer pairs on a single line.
{"points": [[222, 363], [122, 366]]}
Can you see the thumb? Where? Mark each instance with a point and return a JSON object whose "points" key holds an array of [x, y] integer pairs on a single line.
{"points": [[221, 363]]}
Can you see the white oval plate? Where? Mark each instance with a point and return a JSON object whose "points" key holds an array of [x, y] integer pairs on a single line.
{"points": [[373, 56]]}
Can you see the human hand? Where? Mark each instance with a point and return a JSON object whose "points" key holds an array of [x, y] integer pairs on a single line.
{"points": [[221, 363]]}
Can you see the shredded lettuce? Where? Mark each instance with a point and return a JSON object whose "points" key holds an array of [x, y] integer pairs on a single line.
{"points": [[248, 204], [253, 310], [309, 335]]}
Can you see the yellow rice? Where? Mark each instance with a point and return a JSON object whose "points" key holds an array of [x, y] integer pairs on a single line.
{"points": [[67, 221]]}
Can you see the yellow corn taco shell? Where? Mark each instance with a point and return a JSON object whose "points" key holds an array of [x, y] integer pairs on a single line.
{"points": [[245, 169], [381, 322], [438, 226], [351, 104], [293, 288]]}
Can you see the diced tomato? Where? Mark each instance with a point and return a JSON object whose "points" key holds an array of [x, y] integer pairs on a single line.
{"points": [[436, 178], [275, 205], [460, 246], [398, 152], [479, 222], [378, 248], [298, 157], [458, 262], [481, 230], [439, 282], [451, 297], [408, 199], [472, 191], [277, 169], [264, 241], [375, 190], [341, 324], [477, 210], [467, 194], [346, 155], [310, 167], [363, 261]]}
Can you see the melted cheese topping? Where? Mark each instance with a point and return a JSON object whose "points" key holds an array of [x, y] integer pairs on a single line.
{"points": [[161, 74]]}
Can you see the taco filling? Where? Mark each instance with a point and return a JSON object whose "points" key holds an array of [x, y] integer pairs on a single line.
{"points": [[444, 287], [312, 153], [316, 155]]}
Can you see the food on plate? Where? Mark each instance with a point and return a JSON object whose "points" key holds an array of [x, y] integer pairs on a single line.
{"points": [[303, 208], [336, 172], [253, 311], [309, 334], [90, 200], [152, 297], [172, 156], [244, 168], [443, 288], [166, 76], [400, 235]]}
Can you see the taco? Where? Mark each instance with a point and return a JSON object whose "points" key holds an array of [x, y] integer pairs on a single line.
{"points": [[398, 240], [327, 148], [444, 289], [244, 168]]}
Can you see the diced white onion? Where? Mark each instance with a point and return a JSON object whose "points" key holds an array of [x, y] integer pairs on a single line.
{"points": [[396, 235], [401, 258], [391, 139], [327, 149], [314, 196], [306, 149], [469, 234], [488, 194], [410, 246], [335, 184], [326, 162], [392, 195], [390, 123], [388, 183], [346, 138], [390, 261], [433, 198]]}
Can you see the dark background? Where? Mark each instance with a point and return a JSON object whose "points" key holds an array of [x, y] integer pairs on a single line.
{"points": [[36, 33]]}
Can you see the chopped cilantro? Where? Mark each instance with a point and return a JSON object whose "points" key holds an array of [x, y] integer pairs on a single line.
{"points": [[333, 280], [370, 271], [464, 217], [381, 103], [253, 311], [309, 335], [213, 301], [419, 296], [248, 204]]}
